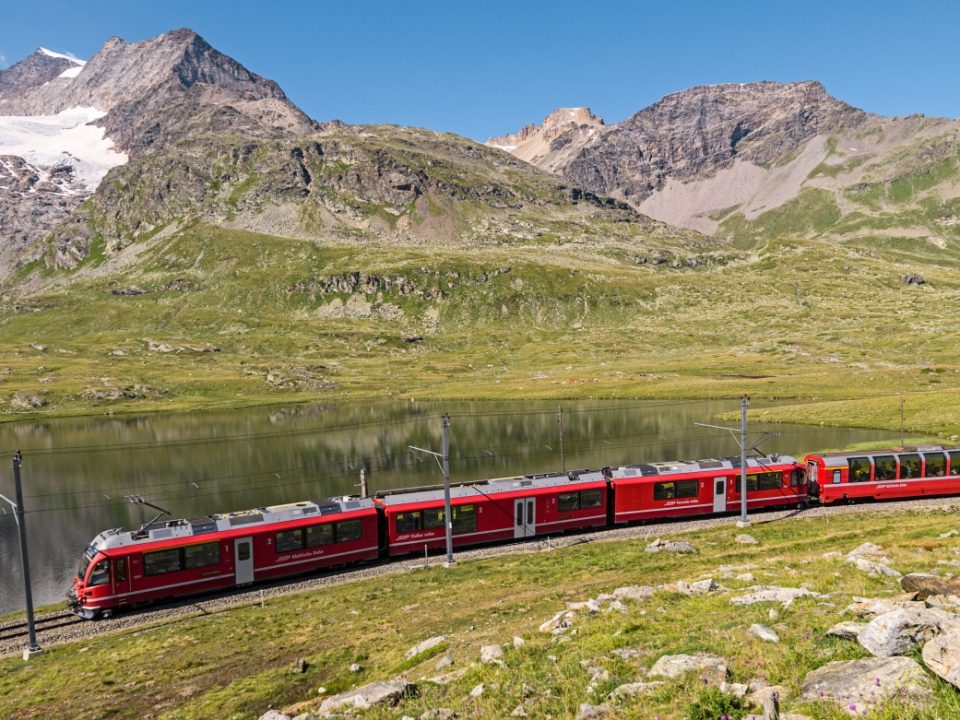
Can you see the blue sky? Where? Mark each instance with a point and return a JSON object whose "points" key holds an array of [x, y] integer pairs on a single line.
{"points": [[482, 68]]}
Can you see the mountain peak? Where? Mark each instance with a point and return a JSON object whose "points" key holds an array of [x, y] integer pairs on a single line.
{"points": [[543, 144]]}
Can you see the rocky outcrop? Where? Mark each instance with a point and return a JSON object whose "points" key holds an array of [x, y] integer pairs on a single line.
{"points": [[385, 692], [899, 632], [926, 585], [858, 685], [764, 593], [709, 667], [942, 655], [34, 71], [687, 134]]}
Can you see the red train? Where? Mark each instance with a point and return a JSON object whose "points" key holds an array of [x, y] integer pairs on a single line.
{"points": [[183, 557]]}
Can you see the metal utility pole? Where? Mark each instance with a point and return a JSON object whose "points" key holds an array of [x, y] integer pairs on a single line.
{"points": [[563, 462], [742, 442], [363, 482], [443, 460], [33, 648]]}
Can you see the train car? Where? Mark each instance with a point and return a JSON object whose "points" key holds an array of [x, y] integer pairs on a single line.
{"points": [[184, 557], [703, 487], [884, 474], [494, 511]]}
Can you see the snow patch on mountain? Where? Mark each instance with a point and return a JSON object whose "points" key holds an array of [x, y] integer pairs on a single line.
{"points": [[65, 138], [71, 72], [71, 58]]}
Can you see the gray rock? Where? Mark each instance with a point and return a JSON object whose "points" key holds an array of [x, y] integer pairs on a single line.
{"points": [[445, 661], [626, 653], [592, 712], [384, 692], [867, 548], [559, 623], [738, 690], [942, 655], [863, 684], [438, 714], [591, 606], [492, 655], [764, 633], [871, 607], [426, 645], [925, 585], [629, 690], [518, 641], [701, 587], [847, 630], [771, 593], [745, 539], [709, 667], [872, 567], [356, 667], [519, 711], [477, 691], [672, 546], [899, 632], [633, 592], [274, 715]]}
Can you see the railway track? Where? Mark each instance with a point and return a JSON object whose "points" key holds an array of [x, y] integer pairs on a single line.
{"points": [[61, 627]]}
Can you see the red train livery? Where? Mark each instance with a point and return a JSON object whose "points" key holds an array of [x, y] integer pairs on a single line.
{"points": [[884, 474], [184, 557]]}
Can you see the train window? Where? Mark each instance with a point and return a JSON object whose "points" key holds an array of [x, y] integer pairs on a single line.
{"points": [[100, 575], [433, 518], [349, 530], [195, 556], [955, 463], [909, 466], [162, 561], [243, 550], [465, 518], [688, 488], [797, 478], [859, 469], [591, 498], [764, 481], [318, 535], [568, 501], [408, 521], [664, 491], [121, 570], [836, 477], [936, 464], [885, 467], [288, 540]]}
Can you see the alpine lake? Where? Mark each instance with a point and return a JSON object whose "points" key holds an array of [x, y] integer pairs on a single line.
{"points": [[79, 475]]}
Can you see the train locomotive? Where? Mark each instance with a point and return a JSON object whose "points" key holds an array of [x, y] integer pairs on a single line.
{"points": [[173, 558]]}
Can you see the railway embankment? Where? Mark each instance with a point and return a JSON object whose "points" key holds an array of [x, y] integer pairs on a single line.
{"points": [[825, 615]]}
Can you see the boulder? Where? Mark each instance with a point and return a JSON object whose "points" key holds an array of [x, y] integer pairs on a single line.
{"points": [[738, 690], [847, 630], [477, 691], [926, 585], [592, 712], [445, 661], [701, 587], [274, 715], [426, 645], [560, 622], [867, 607], [492, 655], [384, 692], [629, 690], [942, 655], [872, 567], [709, 667], [867, 548], [591, 606], [764, 633], [633, 592], [858, 685], [519, 711], [673, 546], [771, 593], [745, 539], [900, 631]]}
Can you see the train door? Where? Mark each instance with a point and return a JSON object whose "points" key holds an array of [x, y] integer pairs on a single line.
{"points": [[243, 560], [719, 494], [121, 578], [524, 513]]}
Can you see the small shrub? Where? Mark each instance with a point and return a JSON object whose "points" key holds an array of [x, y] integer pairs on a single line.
{"points": [[712, 704]]}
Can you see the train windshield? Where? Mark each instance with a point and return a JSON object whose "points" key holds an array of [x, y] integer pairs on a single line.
{"points": [[86, 560]]}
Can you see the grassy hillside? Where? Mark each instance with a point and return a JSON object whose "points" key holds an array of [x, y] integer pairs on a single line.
{"points": [[237, 662]]}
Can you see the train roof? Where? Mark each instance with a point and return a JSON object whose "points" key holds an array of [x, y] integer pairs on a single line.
{"points": [[843, 457], [499, 486], [681, 467], [220, 522]]}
